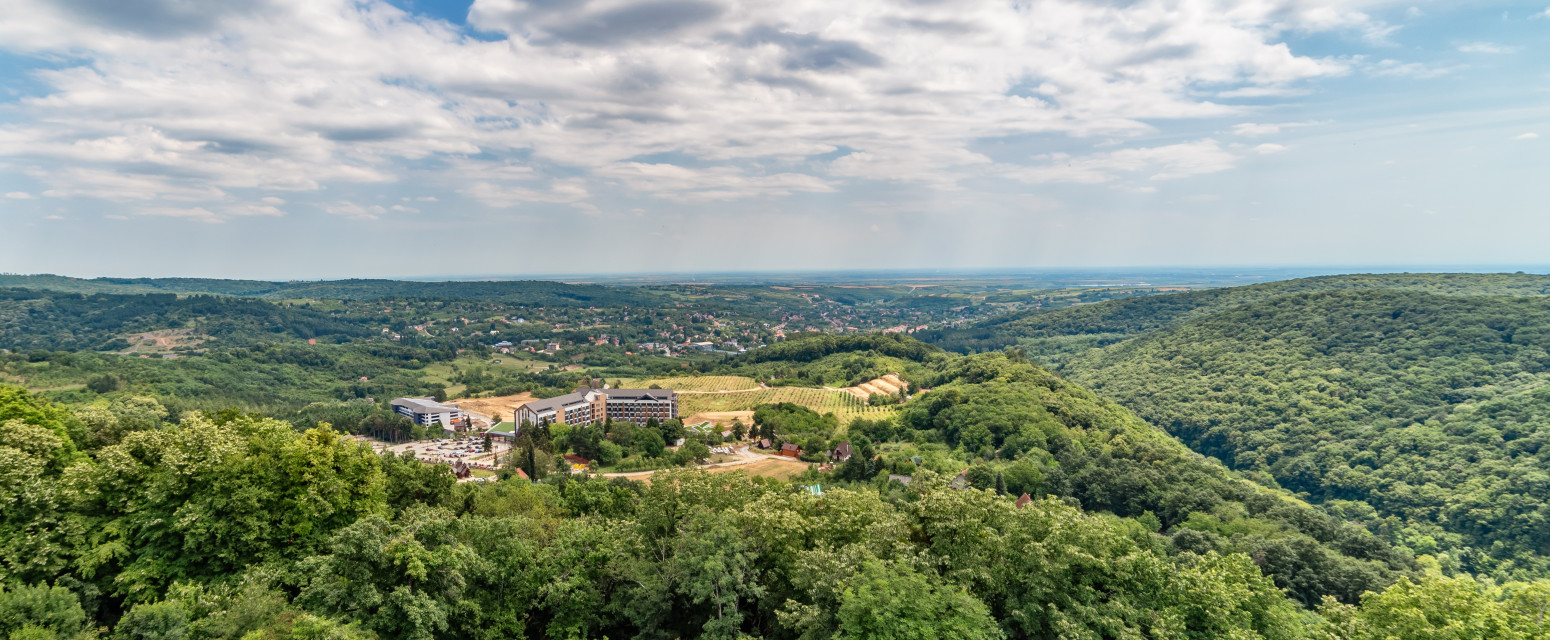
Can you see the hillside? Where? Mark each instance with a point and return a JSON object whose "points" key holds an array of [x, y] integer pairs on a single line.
{"points": [[1424, 408], [1414, 403], [1053, 334]]}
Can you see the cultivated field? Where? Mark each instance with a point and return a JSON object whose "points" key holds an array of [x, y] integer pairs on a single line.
{"points": [[692, 384], [886, 385], [842, 404]]}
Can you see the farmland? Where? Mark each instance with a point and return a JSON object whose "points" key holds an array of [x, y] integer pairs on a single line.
{"points": [[843, 405], [693, 384]]}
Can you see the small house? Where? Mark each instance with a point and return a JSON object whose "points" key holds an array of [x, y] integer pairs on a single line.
{"points": [[1023, 500], [841, 452], [790, 450]]}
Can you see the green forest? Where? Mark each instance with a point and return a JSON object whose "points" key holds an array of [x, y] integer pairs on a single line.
{"points": [[1415, 404], [1328, 460]]}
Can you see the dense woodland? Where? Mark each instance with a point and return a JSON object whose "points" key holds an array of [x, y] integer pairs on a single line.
{"points": [[1423, 415], [212, 496]]}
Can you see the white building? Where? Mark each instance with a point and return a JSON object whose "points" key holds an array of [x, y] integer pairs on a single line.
{"points": [[427, 412]]}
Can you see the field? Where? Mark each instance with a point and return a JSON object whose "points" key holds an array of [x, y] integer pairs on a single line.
{"points": [[497, 406], [886, 385], [843, 405], [691, 384], [778, 469]]}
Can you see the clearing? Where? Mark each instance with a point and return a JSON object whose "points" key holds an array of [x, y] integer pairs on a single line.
{"points": [[162, 341], [889, 385], [756, 464], [497, 407], [721, 418]]}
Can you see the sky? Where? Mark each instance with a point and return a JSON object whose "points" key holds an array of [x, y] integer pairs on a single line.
{"points": [[301, 139]]}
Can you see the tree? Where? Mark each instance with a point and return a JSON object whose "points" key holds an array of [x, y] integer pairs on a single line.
{"points": [[103, 383], [649, 442], [153, 621], [898, 603], [55, 611]]}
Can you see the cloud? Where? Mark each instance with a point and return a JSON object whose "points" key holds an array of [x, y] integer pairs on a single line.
{"points": [[254, 210], [1169, 162], [1526, 136], [355, 211], [214, 103], [1398, 69], [1252, 130], [1268, 148], [199, 214], [19, 195], [1486, 47]]}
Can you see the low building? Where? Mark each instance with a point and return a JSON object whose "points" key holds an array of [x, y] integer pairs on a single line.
{"points": [[427, 412], [790, 450], [841, 452], [597, 405]]}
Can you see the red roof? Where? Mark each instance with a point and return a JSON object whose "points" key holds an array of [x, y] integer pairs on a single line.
{"points": [[1024, 499], [575, 459], [522, 474], [790, 447]]}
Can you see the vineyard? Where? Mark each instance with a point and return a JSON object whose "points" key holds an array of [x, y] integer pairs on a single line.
{"points": [[690, 384], [843, 405]]}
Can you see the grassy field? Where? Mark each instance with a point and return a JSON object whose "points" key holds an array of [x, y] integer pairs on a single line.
{"points": [[843, 405], [703, 383]]}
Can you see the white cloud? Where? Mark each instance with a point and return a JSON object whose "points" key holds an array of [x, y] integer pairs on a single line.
{"points": [[1398, 69], [1153, 163], [1526, 136], [355, 211], [1252, 130], [1485, 47], [194, 102], [19, 195], [1268, 148], [254, 210], [199, 214]]}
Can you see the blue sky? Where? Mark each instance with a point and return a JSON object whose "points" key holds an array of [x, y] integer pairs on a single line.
{"points": [[330, 138]]}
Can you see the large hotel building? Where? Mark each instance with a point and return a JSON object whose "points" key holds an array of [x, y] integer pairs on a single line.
{"points": [[598, 405]]}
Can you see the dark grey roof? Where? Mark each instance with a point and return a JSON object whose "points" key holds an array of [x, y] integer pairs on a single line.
{"points": [[423, 405], [555, 403], [640, 394]]}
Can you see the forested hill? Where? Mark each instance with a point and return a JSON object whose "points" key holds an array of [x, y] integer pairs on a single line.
{"points": [[226, 526], [1422, 409], [1053, 333], [530, 292], [34, 320]]}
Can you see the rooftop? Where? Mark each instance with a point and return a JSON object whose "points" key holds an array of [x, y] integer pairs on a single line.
{"points": [[423, 405]]}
